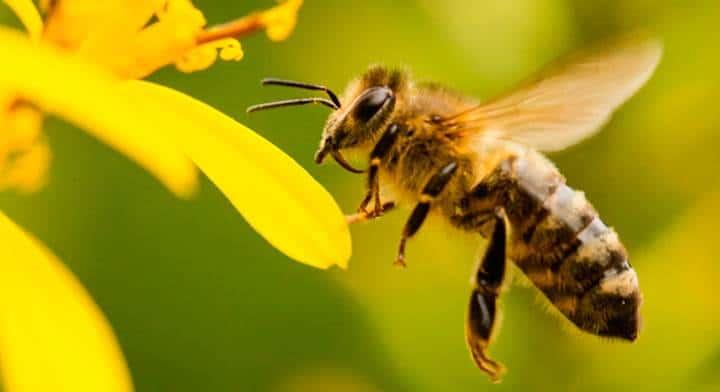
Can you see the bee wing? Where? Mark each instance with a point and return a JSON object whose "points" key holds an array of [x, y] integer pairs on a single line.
{"points": [[571, 99]]}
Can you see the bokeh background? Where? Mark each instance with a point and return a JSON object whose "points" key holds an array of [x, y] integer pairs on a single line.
{"points": [[200, 302]]}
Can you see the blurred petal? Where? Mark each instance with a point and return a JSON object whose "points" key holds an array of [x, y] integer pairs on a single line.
{"points": [[178, 37], [52, 335], [276, 196], [29, 171], [24, 152], [137, 54], [280, 21], [28, 15], [91, 98], [71, 23]]}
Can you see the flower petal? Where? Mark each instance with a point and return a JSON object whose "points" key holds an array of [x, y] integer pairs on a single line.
{"points": [[92, 99], [278, 197], [52, 335], [71, 23], [135, 55], [28, 15], [280, 20], [24, 152]]}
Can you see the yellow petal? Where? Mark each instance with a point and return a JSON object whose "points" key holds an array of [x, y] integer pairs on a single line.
{"points": [[276, 196], [138, 54], [29, 171], [71, 23], [52, 335], [24, 153], [28, 15], [92, 99], [280, 21]]}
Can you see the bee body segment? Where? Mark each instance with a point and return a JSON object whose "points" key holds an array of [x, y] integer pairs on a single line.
{"points": [[561, 244]]}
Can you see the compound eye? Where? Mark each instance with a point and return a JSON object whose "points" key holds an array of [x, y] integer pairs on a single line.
{"points": [[371, 102]]}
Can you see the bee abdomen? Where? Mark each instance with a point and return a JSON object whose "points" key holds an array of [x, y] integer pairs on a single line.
{"points": [[546, 214], [566, 250], [576, 265], [591, 282]]}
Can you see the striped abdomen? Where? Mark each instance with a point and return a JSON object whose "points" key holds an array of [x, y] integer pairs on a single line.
{"points": [[564, 248]]}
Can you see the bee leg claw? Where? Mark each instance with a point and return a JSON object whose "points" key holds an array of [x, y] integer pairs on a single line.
{"points": [[381, 209], [363, 214], [492, 368], [400, 258], [354, 218]]}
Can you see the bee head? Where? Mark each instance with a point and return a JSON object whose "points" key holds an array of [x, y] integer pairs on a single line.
{"points": [[368, 106], [357, 119]]}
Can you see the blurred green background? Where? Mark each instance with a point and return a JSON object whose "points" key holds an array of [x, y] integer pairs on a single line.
{"points": [[200, 302]]}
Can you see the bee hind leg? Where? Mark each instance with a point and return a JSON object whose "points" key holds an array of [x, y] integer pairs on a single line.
{"points": [[482, 310], [432, 189]]}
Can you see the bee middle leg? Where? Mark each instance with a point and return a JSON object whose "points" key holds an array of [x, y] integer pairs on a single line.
{"points": [[482, 310], [432, 189]]}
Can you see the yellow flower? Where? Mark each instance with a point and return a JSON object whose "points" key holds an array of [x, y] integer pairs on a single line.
{"points": [[79, 67], [52, 335], [116, 33], [79, 62]]}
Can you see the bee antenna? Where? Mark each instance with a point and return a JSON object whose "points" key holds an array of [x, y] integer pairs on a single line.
{"points": [[292, 102], [306, 86]]}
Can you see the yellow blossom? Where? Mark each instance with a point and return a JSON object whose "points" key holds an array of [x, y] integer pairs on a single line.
{"points": [[87, 96], [65, 63], [52, 336], [79, 66], [134, 49], [286, 195]]}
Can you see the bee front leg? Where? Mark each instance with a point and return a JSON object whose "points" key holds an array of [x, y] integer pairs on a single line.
{"points": [[482, 311], [373, 190], [432, 189], [381, 150]]}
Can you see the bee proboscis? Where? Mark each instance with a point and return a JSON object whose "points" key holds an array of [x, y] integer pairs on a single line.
{"points": [[480, 166]]}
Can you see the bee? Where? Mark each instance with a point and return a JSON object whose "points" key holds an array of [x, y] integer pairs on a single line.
{"points": [[480, 166]]}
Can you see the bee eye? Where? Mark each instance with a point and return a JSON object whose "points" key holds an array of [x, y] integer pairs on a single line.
{"points": [[371, 102]]}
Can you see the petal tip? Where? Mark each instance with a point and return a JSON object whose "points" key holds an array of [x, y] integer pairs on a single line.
{"points": [[186, 186]]}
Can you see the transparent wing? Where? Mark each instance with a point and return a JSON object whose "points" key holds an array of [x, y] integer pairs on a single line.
{"points": [[570, 100]]}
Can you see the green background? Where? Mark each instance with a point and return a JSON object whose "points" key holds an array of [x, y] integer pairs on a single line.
{"points": [[201, 302]]}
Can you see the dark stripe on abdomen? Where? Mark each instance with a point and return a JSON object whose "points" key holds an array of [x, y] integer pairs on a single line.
{"points": [[564, 248]]}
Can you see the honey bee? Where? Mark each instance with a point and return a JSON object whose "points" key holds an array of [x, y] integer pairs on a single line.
{"points": [[479, 165]]}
